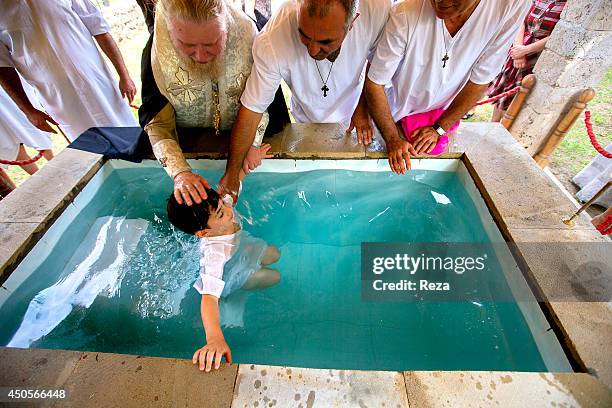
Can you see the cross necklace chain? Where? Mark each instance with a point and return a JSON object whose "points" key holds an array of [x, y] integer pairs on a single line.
{"points": [[450, 44], [445, 58], [324, 88]]}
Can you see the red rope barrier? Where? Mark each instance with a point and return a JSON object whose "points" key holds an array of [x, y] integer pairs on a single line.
{"points": [[22, 162], [594, 142], [605, 227], [500, 96]]}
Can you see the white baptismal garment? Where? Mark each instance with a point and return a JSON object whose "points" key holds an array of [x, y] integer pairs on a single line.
{"points": [[50, 43], [280, 55], [227, 261], [15, 128], [409, 55]]}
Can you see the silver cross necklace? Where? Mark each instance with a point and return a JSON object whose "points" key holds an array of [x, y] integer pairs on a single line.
{"points": [[446, 57], [324, 88]]}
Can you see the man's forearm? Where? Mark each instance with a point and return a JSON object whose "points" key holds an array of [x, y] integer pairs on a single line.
{"points": [[463, 102], [363, 100], [209, 308], [379, 109], [110, 49], [243, 134], [9, 79], [362, 105], [164, 141]]}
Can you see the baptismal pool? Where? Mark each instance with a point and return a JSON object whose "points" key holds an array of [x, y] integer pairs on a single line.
{"points": [[111, 274]]}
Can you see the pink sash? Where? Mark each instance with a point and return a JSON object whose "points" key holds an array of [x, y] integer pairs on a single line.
{"points": [[413, 122]]}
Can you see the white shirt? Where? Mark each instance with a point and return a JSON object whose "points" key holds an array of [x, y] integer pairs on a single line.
{"points": [[214, 254], [409, 55], [50, 44], [279, 55], [15, 128]]}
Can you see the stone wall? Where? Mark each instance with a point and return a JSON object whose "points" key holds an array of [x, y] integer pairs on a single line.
{"points": [[576, 57], [126, 20]]}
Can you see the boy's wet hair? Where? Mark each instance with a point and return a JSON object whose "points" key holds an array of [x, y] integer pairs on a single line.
{"points": [[195, 218]]}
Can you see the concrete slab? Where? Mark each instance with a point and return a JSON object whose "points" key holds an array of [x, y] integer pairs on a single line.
{"points": [[39, 200], [36, 367], [193, 388], [515, 185], [557, 235], [439, 389], [588, 326], [15, 239], [78, 162], [266, 386], [583, 258], [321, 140], [466, 138], [145, 381]]}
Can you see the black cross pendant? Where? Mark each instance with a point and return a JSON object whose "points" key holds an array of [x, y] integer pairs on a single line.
{"points": [[325, 89], [444, 60]]}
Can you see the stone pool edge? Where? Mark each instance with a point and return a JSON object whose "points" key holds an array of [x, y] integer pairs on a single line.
{"points": [[483, 146]]}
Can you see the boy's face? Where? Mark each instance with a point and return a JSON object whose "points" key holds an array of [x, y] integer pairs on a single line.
{"points": [[220, 218]]}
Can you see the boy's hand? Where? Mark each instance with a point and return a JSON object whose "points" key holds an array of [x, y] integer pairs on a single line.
{"points": [[255, 156], [211, 353]]}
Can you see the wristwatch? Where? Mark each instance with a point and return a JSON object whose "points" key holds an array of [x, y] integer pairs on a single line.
{"points": [[439, 129]]}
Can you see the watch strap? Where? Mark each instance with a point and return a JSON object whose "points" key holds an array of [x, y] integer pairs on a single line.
{"points": [[439, 129]]}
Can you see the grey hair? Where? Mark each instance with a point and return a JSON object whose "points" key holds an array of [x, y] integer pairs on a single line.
{"points": [[197, 11], [320, 8]]}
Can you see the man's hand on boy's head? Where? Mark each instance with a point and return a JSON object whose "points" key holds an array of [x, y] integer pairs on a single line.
{"points": [[211, 354], [189, 188]]}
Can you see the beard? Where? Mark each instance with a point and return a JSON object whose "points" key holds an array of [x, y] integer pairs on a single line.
{"points": [[212, 69]]}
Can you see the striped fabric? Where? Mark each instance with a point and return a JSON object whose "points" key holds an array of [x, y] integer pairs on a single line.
{"points": [[539, 24]]}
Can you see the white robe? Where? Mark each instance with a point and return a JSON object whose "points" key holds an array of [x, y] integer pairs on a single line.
{"points": [[15, 128], [409, 55], [279, 55], [50, 43]]}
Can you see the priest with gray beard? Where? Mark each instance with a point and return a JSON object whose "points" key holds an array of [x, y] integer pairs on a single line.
{"points": [[195, 67]]}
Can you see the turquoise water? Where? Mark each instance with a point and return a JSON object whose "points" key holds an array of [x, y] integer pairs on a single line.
{"points": [[314, 317]]}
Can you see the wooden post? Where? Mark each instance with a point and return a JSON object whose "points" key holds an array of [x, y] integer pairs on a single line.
{"points": [[519, 99], [542, 157]]}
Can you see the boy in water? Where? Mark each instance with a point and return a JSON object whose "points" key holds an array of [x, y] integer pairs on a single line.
{"points": [[230, 259]]}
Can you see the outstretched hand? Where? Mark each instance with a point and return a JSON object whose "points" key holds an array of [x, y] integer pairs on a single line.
{"points": [[362, 123], [211, 354], [255, 156], [399, 151]]}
